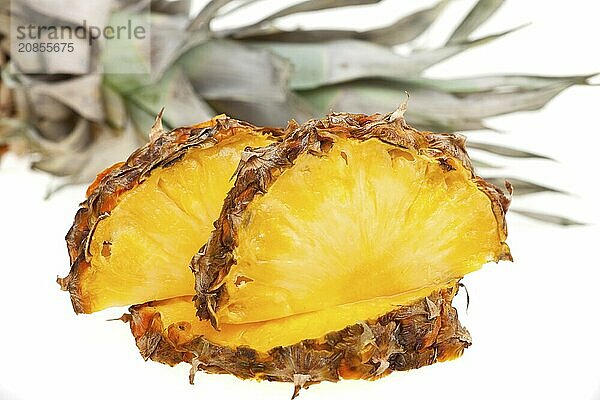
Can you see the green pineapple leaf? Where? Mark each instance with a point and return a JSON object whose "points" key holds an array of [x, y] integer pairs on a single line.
{"points": [[79, 124], [481, 12]]}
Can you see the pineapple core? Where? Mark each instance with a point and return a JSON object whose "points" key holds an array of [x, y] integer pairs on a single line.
{"points": [[142, 251], [366, 222]]}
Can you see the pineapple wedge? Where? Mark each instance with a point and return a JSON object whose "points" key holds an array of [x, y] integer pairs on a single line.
{"points": [[133, 238], [422, 331], [347, 210]]}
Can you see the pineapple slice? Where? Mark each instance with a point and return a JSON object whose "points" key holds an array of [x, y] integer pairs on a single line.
{"points": [[417, 332], [370, 209], [144, 220], [265, 335]]}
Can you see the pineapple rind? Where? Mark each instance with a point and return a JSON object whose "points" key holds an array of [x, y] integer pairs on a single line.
{"points": [[265, 335], [410, 336]]}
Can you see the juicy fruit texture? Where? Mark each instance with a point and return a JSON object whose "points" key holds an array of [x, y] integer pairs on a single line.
{"points": [[423, 331], [347, 210], [143, 250], [133, 239], [401, 220]]}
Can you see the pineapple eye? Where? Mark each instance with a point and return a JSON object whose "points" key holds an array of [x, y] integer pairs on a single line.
{"points": [[241, 280], [395, 153], [326, 145], [106, 248], [344, 156]]}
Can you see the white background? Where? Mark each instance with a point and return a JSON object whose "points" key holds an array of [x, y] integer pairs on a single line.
{"points": [[535, 323]]}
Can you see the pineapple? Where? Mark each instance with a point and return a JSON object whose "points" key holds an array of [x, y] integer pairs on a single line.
{"points": [[144, 219], [336, 252], [350, 209]]}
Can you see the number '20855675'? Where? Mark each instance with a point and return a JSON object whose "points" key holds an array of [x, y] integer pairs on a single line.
{"points": [[43, 47]]}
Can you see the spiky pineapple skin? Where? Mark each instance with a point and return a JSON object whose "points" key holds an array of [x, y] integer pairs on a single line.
{"points": [[260, 168], [105, 192], [408, 337]]}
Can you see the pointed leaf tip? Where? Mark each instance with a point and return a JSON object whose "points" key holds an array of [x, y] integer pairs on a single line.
{"points": [[520, 187], [126, 318], [548, 218], [477, 16], [300, 381], [506, 151], [157, 129], [399, 113]]}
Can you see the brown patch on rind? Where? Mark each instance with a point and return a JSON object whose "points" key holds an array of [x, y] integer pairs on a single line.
{"points": [[104, 193], [261, 167], [406, 338]]}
